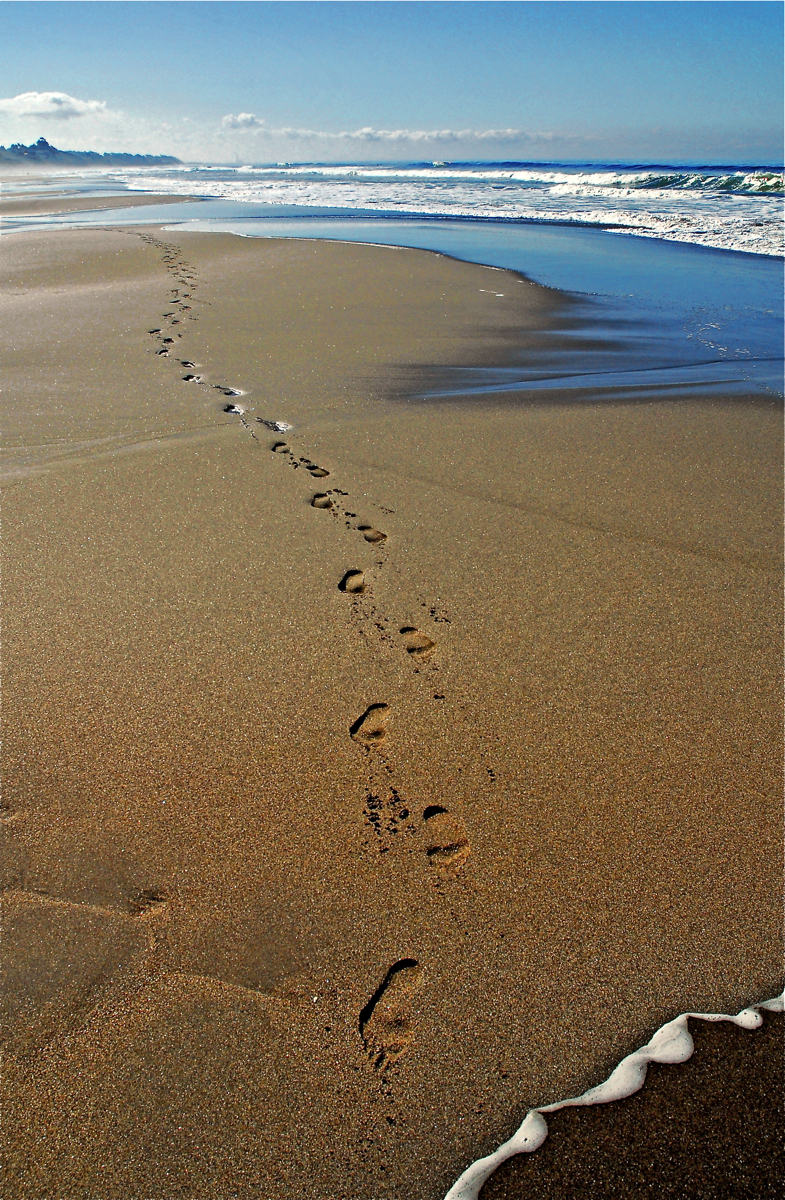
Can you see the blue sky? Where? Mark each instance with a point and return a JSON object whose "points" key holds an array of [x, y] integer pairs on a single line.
{"points": [[376, 80]]}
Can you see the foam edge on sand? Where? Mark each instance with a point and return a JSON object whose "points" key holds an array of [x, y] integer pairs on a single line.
{"points": [[672, 1043]]}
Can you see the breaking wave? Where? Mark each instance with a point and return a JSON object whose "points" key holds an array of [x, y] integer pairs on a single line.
{"points": [[750, 182]]}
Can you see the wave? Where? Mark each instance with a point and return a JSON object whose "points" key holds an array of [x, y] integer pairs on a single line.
{"points": [[742, 182], [726, 209], [672, 1043]]}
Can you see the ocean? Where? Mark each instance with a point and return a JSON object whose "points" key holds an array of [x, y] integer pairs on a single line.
{"points": [[679, 269], [726, 208]]}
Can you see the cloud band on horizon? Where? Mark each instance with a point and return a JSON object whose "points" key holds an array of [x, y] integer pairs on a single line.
{"points": [[250, 122]]}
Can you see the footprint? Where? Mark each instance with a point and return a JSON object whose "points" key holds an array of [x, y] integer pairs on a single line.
{"points": [[234, 408], [281, 448], [374, 536], [192, 379], [321, 500], [369, 728], [276, 426], [145, 900], [352, 582], [185, 363], [163, 352], [168, 341], [446, 843], [418, 644], [153, 330], [387, 1021]]}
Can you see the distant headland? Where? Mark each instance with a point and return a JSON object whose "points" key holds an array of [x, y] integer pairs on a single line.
{"points": [[42, 152]]}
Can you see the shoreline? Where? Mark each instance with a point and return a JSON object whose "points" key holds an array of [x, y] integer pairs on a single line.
{"points": [[706, 1127], [228, 735], [465, 219], [671, 1045], [375, 215]]}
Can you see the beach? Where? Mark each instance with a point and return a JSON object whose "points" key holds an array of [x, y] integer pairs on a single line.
{"points": [[376, 767]]}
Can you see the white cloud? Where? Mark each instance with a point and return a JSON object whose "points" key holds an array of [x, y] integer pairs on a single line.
{"points": [[242, 121], [368, 134], [57, 106]]}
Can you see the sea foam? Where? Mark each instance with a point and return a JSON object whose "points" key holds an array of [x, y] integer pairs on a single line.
{"points": [[672, 1043]]}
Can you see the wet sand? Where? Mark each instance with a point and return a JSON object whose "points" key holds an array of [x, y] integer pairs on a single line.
{"points": [[47, 202], [314, 892], [708, 1129]]}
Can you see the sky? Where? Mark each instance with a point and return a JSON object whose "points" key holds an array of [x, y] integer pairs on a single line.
{"points": [[379, 80]]}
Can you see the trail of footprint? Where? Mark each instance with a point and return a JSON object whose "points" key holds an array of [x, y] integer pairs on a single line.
{"points": [[386, 1022], [312, 468], [324, 500], [175, 264], [369, 728], [418, 645], [447, 845]]}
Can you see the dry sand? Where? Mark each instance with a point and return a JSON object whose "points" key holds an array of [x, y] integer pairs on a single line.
{"points": [[248, 953]]}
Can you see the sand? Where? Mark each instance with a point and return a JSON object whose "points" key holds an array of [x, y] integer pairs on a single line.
{"points": [[313, 892], [46, 203]]}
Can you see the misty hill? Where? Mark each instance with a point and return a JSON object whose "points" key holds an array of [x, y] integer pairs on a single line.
{"points": [[42, 152]]}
